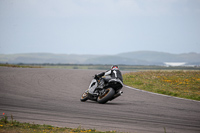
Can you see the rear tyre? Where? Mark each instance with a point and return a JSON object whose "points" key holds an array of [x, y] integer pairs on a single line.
{"points": [[109, 93], [84, 97]]}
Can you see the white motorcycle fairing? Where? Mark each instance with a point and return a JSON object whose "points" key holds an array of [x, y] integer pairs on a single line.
{"points": [[93, 85]]}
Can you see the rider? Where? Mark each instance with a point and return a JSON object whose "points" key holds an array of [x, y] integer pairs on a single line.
{"points": [[114, 73]]}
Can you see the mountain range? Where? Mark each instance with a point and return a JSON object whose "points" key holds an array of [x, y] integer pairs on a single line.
{"points": [[129, 58]]}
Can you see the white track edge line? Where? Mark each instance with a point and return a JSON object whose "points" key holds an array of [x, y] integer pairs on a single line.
{"points": [[159, 94]]}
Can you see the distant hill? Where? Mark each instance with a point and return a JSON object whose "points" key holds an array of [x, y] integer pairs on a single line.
{"points": [[115, 59], [129, 58], [162, 57], [44, 58]]}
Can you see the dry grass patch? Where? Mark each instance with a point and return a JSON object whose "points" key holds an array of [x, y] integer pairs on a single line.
{"points": [[184, 84]]}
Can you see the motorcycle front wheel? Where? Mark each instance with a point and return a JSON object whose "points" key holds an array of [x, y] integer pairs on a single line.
{"points": [[109, 93], [84, 97]]}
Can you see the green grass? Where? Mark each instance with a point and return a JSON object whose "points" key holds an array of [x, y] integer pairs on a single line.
{"points": [[184, 84], [14, 126], [20, 66]]}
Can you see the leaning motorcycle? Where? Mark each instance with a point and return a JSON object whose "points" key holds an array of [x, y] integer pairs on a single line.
{"points": [[110, 90]]}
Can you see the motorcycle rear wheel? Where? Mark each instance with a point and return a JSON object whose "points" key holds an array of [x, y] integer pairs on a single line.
{"points": [[109, 93], [84, 97]]}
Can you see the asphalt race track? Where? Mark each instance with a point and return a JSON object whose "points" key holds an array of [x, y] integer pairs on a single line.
{"points": [[52, 96]]}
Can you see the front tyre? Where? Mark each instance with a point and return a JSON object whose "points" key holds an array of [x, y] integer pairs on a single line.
{"points": [[84, 97], [109, 93]]}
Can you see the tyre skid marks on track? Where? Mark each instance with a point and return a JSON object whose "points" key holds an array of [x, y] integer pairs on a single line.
{"points": [[114, 116], [66, 118]]}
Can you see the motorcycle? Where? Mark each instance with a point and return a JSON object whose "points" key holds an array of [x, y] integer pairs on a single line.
{"points": [[111, 89]]}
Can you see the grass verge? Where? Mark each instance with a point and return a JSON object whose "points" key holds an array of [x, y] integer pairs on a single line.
{"points": [[184, 84], [20, 66], [14, 126]]}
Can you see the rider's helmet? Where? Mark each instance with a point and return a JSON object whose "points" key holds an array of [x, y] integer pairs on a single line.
{"points": [[114, 67]]}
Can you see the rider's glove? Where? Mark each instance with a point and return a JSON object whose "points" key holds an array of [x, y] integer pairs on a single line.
{"points": [[96, 77]]}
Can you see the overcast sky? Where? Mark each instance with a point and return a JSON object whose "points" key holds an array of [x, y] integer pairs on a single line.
{"points": [[99, 26]]}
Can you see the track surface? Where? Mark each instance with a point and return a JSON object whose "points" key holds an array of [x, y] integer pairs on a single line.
{"points": [[52, 96]]}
